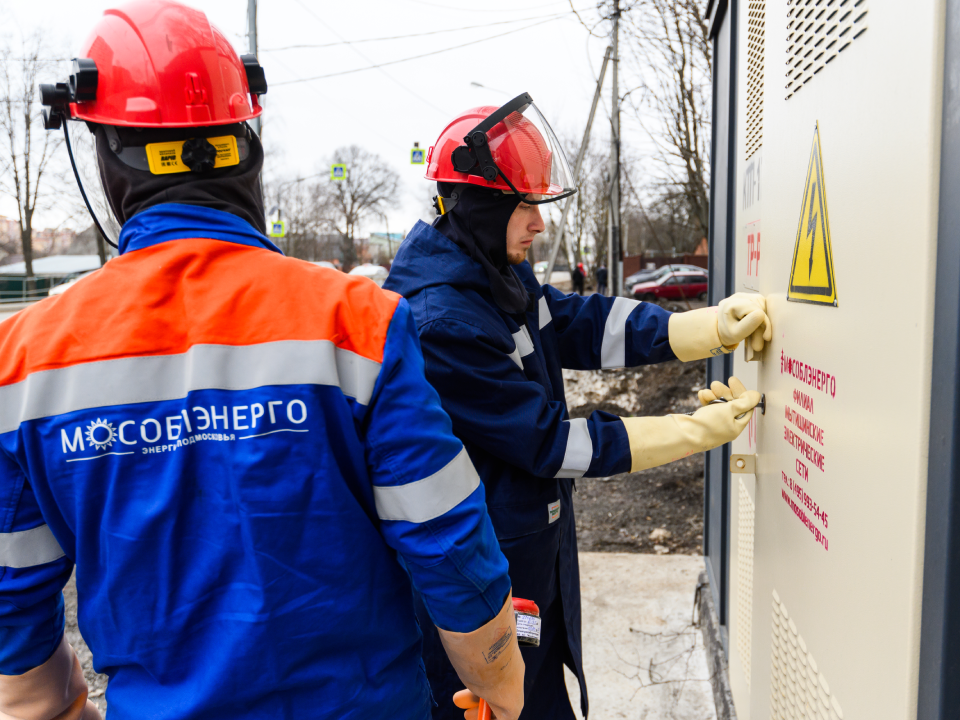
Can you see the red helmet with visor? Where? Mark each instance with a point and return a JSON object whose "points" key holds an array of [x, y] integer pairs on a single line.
{"points": [[511, 148]]}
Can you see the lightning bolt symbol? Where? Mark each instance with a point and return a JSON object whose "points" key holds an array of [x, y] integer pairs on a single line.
{"points": [[812, 228]]}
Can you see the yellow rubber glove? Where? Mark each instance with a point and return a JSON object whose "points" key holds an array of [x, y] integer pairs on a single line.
{"points": [[659, 440], [54, 691], [742, 316], [489, 663], [711, 331]]}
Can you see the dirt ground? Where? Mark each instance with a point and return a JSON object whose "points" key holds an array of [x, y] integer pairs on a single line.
{"points": [[654, 511]]}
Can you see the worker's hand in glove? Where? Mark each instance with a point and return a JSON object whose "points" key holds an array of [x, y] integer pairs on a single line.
{"points": [[489, 663], [742, 316], [711, 331], [659, 440]]}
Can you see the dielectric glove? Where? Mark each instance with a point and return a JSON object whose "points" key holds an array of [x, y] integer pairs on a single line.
{"points": [[718, 330], [54, 691], [489, 663], [659, 440]]}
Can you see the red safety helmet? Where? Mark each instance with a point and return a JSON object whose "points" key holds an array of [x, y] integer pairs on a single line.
{"points": [[158, 64], [153, 64], [511, 148]]}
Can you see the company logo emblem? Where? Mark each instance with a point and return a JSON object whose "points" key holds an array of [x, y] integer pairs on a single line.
{"points": [[100, 434]]}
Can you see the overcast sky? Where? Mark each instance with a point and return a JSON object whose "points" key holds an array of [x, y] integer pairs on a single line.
{"points": [[537, 46]]}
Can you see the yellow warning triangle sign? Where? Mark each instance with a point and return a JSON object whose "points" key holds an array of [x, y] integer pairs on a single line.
{"points": [[811, 273]]}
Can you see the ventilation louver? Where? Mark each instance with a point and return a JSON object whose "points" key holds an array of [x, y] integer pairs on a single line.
{"points": [[818, 31], [798, 690], [745, 514], [756, 24]]}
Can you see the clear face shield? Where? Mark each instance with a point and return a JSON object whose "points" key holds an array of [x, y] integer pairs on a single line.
{"points": [[516, 144], [82, 147]]}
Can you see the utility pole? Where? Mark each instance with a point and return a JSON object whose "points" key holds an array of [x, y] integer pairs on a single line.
{"points": [[613, 247], [252, 43], [576, 169]]}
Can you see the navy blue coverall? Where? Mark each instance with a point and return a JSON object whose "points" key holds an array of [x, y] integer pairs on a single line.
{"points": [[499, 378]]}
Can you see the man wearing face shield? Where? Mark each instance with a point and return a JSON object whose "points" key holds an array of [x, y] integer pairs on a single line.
{"points": [[237, 451], [494, 342]]}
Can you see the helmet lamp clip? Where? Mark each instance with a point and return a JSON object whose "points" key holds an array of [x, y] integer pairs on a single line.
{"points": [[81, 87]]}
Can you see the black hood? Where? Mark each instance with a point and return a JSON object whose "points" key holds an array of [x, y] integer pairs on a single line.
{"points": [[234, 189], [478, 225]]}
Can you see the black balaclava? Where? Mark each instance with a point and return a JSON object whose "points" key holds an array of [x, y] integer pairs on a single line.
{"points": [[234, 189], [478, 225]]}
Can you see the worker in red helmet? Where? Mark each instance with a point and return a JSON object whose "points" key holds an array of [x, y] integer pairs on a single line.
{"points": [[495, 342], [238, 452]]}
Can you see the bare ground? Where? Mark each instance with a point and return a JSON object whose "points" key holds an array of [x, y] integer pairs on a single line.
{"points": [[654, 511]]}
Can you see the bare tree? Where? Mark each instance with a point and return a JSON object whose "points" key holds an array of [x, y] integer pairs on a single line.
{"points": [[369, 189], [667, 46], [28, 153], [302, 204]]}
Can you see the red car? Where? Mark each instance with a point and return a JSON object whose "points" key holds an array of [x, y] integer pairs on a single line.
{"points": [[673, 286]]}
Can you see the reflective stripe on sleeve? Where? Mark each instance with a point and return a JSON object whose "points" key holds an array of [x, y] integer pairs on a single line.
{"points": [[431, 497], [524, 341], [613, 350], [168, 377], [579, 452], [27, 548], [523, 346], [543, 312]]}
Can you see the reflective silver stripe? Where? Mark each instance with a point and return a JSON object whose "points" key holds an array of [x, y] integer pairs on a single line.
{"points": [[515, 356], [613, 350], [543, 312], [579, 452], [426, 499], [357, 375], [29, 547], [168, 377], [523, 341]]}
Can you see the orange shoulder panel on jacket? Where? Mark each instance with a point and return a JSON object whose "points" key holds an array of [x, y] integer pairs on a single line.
{"points": [[164, 299]]}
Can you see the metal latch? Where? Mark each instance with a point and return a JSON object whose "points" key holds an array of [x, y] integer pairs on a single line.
{"points": [[743, 464]]}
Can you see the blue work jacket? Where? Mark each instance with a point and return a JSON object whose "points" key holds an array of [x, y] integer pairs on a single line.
{"points": [[240, 454], [499, 377]]}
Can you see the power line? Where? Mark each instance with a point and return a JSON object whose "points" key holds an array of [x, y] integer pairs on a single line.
{"points": [[411, 35], [388, 75], [476, 9], [417, 57]]}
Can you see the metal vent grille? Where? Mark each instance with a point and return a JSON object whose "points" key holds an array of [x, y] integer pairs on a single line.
{"points": [[756, 24], [817, 31], [745, 512], [798, 690]]}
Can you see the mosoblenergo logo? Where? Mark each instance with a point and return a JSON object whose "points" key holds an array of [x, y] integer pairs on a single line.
{"points": [[169, 433]]}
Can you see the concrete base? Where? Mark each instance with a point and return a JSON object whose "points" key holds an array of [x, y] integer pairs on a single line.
{"points": [[643, 655]]}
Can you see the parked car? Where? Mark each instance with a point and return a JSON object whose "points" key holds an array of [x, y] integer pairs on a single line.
{"points": [[648, 275], [673, 286], [324, 264], [64, 286], [376, 273], [560, 278]]}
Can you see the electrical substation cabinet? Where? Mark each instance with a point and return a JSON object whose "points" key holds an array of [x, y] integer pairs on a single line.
{"points": [[830, 533]]}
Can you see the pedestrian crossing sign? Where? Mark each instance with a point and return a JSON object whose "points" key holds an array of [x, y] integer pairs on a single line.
{"points": [[811, 272], [277, 229], [416, 156], [338, 172]]}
